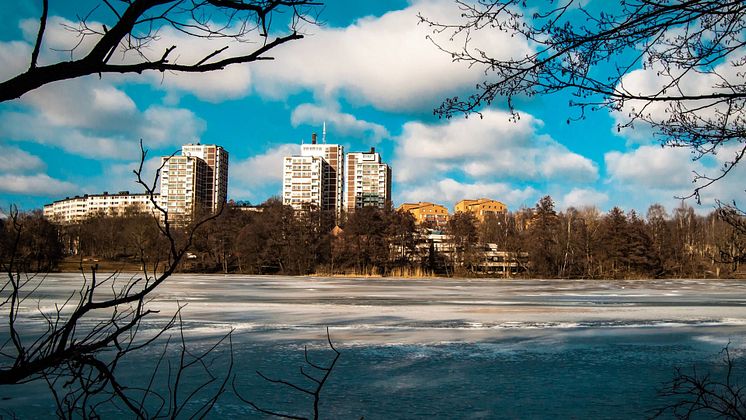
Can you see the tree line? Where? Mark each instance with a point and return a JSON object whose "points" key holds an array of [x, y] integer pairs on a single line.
{"points": [[275, 239]]}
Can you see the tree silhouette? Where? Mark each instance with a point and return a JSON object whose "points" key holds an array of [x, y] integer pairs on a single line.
{"points": [[122, 42]]}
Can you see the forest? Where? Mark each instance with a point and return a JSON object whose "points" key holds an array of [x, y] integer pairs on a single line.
{"points": [[275, 239]]}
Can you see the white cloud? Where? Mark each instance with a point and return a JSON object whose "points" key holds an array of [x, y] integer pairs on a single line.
{"points": [[35, 185], [120, 176], [655, 80], [342, 123], [486, 149], [653, 167], [253, 177], [384, 61], [13, 55], [15, 160], [92, 118], [232, 82], [651, 174], [175, 126], [583, 197]]}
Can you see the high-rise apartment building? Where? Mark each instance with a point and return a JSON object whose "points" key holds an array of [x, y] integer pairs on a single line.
{"points": [[315, 177], [183, 186], [302, 181], [196, 181], [368, 181], [215, 187], [332, 177]]}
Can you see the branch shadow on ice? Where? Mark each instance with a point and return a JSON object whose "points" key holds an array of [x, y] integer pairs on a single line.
{"points": [[692, 393], [316, 376]]}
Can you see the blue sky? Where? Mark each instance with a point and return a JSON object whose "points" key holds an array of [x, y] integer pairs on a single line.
{"points": [[372, 76]]}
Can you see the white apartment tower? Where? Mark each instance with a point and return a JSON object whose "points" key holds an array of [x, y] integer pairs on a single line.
{"points": [[183, 181], [368, 181], [215, 188], [315, 177], [302, 181], [196, 181]]}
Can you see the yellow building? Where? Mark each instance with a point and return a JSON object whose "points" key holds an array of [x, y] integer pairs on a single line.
{"points": [[424, 212], [481, 207]]}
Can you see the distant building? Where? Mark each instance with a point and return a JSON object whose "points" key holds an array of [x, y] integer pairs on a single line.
{"points": [[196, 181], [425, 212], [78, 208], [481, 207], [315, 177], [368, 181], [215, 182], [183, 186], [303, 182]]}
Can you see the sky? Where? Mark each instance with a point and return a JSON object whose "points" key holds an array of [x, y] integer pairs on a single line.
{"points": [[370, 73]]}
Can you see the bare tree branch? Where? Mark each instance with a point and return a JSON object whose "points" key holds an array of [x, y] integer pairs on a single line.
{"points": [[136, 27]]}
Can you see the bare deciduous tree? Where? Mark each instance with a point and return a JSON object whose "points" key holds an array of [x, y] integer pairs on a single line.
{"points": [[77, 347], [122, 42]]}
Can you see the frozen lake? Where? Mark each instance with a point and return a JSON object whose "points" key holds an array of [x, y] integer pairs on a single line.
{"points": [[453, 348]]}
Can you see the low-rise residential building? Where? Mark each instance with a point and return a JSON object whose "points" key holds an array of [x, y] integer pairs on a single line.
{"points": [[75, 209], [427, 213], [481, 207]]}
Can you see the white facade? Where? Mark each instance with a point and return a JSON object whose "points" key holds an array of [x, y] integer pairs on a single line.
{"points": [[194, 182], [182, 186], [315, 177], [215, 186], [78, 208], [368, 181], [302, 182], [332, 176]]}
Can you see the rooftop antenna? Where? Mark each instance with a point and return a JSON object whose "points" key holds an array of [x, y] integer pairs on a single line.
{"points": [[323, 133]]}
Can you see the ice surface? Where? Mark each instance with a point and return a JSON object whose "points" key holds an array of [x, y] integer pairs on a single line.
{"points": [[445, 348]]}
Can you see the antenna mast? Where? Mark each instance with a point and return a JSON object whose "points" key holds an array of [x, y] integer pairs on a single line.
{"points": [[323, 133]]}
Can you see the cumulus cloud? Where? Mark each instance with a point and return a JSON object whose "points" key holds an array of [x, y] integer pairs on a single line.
{"points": [[488, 148], [16, 160], [342, 123], [92, 118], [655, 79], [12, 56], [653, 167], [35, 185], [253, 177], [230, 83], [650, 174], [385, 61], [22, 173], [583, 197]]}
